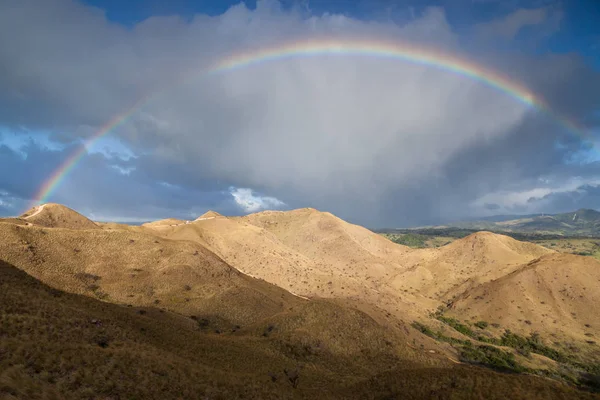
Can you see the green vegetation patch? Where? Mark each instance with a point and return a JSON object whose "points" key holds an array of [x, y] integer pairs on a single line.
{"points": [[411, 239], [459, 327], [580, 374], [491, 357]]}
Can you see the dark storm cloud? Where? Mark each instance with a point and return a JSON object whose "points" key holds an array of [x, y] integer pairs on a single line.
{"points": [[491, 206], [375, 141], [584, 196]]}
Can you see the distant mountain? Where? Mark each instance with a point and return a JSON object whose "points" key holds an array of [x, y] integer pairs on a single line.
{"points": [[583, 222]]}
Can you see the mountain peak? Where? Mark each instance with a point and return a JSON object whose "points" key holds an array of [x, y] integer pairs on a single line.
{"points": [[209, 214], [53, 215]]}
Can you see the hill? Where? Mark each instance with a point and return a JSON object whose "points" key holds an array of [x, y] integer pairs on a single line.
{"points": [[53, 215], [556, 295], [136, 267], [442, 273], [209, 214], [60, 345], [163, 222], [338, 295], [307, 252]]}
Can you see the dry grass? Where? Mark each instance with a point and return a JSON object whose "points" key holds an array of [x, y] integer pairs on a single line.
{"points": [[57, 216], [55, 345], [584, 247], [231, 333]]}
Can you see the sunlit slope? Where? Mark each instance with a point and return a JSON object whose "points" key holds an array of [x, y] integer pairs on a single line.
{"points": [[138, 268], [442, 273], [327, 238], [209, 214], [256, 252], [163, 222], [358, 275], [53, 215], [312, 253], [557, 295]]}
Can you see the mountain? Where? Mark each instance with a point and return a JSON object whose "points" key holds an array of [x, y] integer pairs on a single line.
{"points": [[583, 222], [306, 288]]}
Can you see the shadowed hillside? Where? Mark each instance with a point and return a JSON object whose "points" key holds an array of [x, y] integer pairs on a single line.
{"points": [[60, 345]]}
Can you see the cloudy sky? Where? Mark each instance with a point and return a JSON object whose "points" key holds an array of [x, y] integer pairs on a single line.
{"points": [[377, 141]]}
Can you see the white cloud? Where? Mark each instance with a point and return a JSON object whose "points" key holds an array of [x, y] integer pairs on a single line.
{"points": [[521, 198], [250, 202], [510, 25]]}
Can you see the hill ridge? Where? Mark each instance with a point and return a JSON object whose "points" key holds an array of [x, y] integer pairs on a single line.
{"points": [[53, 215]]}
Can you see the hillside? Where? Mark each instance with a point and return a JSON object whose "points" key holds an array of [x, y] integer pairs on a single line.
{"points": [[52, 215], [442, 273], [60, 345], [557, 295], [163, 222], [321, 280], [209, 214], [309, 253], [134, 267]]}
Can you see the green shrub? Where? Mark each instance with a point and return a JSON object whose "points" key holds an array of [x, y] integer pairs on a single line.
{"points": [[462, 328], [481, 324], [491, 357]]}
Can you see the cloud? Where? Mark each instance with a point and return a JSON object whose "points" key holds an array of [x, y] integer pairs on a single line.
{"points": [[491, 206], [584, 196], [548, 196], [250, 202], [509, 26], [374, 140]]}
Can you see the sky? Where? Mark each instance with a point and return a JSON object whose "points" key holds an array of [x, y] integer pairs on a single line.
{"points": [[377, 141]]}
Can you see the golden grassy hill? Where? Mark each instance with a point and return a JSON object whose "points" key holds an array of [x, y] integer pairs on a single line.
{"points": [[53, 215], [557, 296], [60, 345], [445, 272], [138, 268], [194, 269], [337, 267], [209, 214], [163, 222], [255, 252], [316, 254], [324, 237]]}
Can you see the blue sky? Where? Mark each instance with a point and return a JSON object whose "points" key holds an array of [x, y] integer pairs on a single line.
{"points": [[579, 32], [380, 143]]}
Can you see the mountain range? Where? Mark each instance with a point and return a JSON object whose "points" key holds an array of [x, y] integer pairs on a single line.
{"points": [[583, 222], [287, 304]]}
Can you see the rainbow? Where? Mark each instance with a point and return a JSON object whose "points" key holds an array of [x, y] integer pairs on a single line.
{"points": [[389, 50]]}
